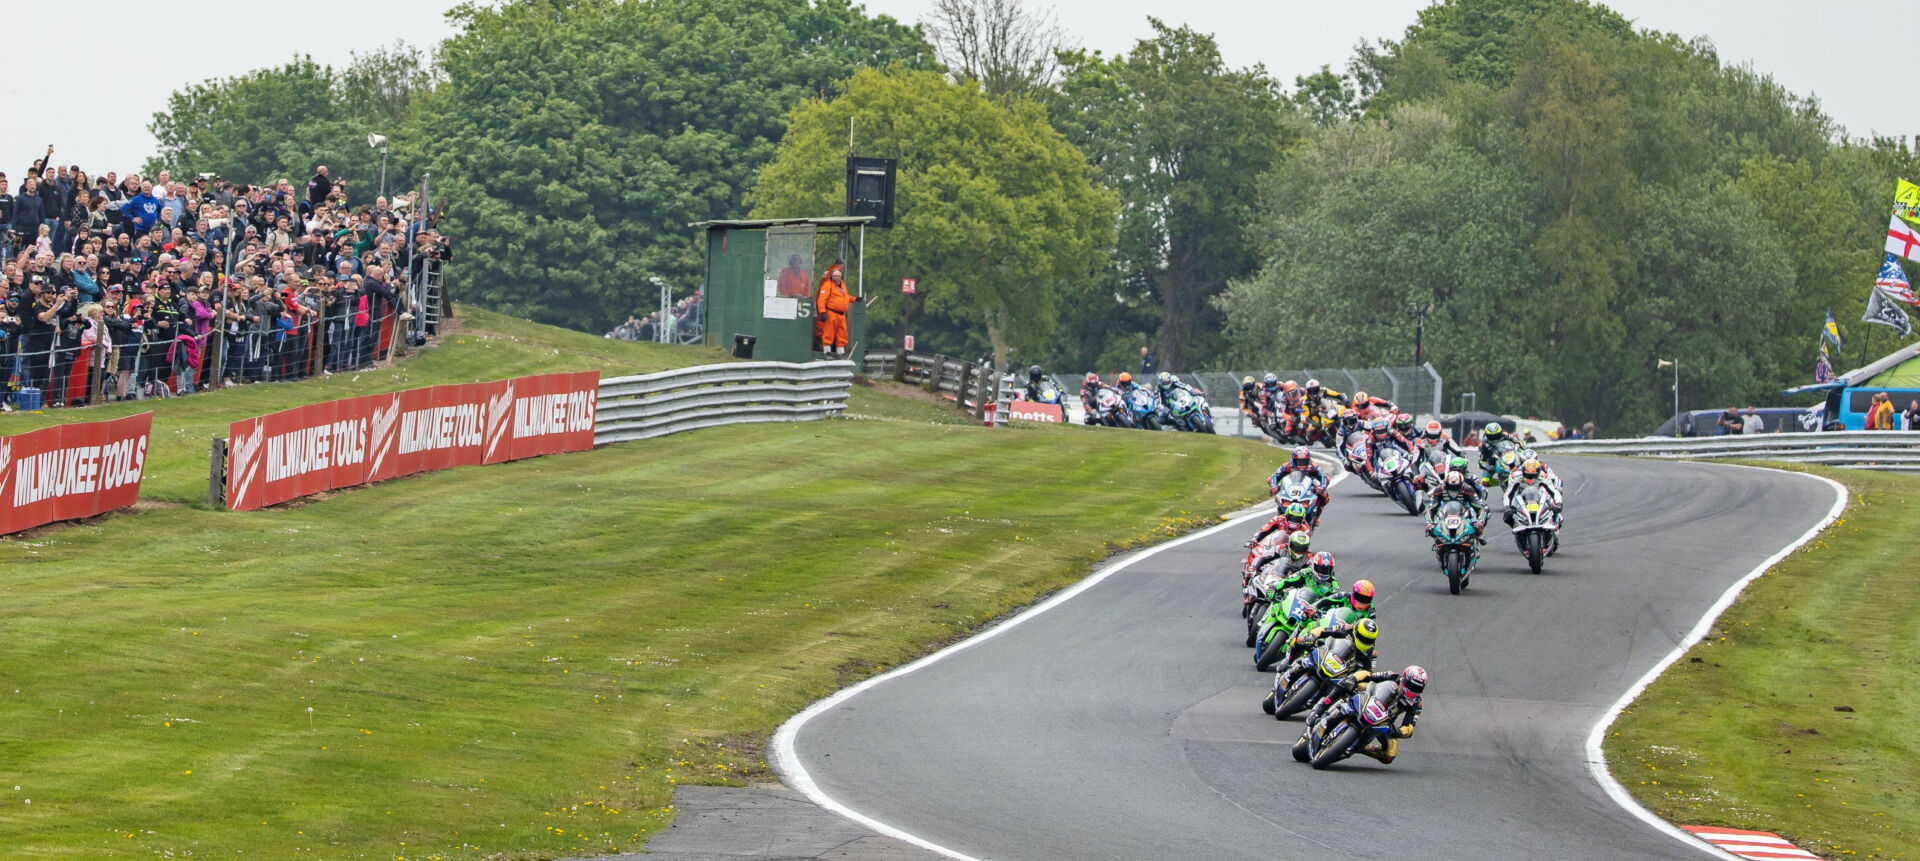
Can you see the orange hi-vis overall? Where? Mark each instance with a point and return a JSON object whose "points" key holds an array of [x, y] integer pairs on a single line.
{"points": [[830, 322]]}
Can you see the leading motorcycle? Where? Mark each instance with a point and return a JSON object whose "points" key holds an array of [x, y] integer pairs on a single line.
{"points": [[1455, 542]]}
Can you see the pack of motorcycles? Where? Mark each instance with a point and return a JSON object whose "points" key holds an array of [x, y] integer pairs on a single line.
{"points": [[1143, 406], [1316, 674]]}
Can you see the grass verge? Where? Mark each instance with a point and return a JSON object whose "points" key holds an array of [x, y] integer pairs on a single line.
{"points": [[1796, 713], [521, 661]]}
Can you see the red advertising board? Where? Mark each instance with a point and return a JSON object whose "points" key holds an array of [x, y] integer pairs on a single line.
{"points": [[306, 450], [69, 471], [1032, 411]]}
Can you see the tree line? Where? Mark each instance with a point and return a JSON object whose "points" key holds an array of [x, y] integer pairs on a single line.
{"points": [[1563, 197]]}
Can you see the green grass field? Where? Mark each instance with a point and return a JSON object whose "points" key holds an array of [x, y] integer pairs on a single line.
{"points": [[1797, 713], [520, 661]]}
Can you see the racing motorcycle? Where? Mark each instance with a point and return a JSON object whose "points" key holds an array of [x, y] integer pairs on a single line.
{"points": [[1144, 407], [1110, 410], [1432, 474], [1320, 429], [1454, 542], [1505, 460], [1536, 528], [1282, 623], [1295, 487], [1357, 452], [1393, 473], [1188, 413], [1347, 726], [1305, 679], [1048, 392]]}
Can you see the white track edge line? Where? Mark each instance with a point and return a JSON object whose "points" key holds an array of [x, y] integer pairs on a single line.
{"points": [[1596, 757], [787, 762]]}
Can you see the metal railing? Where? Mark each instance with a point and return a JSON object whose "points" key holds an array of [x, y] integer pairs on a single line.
{"points": [[1893, 451], [652, 405]]}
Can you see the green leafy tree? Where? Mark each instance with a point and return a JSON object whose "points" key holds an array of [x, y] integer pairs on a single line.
{"points": [[278, 123], [1184, 139], [995, 212], [575, 141], [1325, 98]]}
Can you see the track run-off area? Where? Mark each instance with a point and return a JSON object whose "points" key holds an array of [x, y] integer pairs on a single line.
{"points": [[1121, 719]]}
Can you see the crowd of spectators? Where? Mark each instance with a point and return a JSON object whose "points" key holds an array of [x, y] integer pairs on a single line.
{"points": [[124, 287], [684, 323]]}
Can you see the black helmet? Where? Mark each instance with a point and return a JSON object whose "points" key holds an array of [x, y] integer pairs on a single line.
{"points": [[1033, 373]]}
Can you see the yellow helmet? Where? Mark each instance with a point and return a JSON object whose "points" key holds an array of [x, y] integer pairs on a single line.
{"points": [[1365, 633]]}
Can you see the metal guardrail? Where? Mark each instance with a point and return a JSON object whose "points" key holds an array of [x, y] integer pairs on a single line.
{"points": [[1892, 451], [653, 405]]}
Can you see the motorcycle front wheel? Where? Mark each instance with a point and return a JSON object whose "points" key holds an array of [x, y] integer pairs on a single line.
{"points": [[1533, 546], [1296, 700], [1455, 566], [1336, 748]]}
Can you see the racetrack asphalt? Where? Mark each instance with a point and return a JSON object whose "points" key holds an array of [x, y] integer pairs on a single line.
{"points": [[1125, 723]]}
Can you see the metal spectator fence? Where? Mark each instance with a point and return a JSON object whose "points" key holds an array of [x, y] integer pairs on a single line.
{"points": [[653, 405], [1891, 451], [971, 385], [139, 361]]}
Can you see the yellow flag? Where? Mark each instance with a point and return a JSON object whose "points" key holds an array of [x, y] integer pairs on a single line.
{"points": [[1906, 201]]}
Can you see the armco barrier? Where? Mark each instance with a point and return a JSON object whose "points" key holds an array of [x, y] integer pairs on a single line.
{"points": [[971, 385], [1894, 451], [319, 447], [70, 471], [654, 405]]}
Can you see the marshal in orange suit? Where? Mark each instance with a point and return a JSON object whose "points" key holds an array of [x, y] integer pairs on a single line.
{"points": [[830, 313]]}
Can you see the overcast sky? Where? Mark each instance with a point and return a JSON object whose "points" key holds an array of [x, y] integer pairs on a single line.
{"points": [[93, 99]]}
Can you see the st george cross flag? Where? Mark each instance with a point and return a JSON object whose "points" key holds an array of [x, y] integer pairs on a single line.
{"points": [[1903, 239], [1887, 312], [1893, 279]]}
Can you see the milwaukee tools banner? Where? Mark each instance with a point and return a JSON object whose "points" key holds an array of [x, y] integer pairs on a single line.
{"points": [[310, 449], [70, 471]]}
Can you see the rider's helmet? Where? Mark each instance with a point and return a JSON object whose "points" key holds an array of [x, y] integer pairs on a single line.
{"points": [[1246, 384], [1404, 424], [1457, 464], [1033, 373], [1456, 481], [1299, 543], [1295, 513], [1378, 426], [1323, 568], [1092, 379], [1125, 378], [1313, 388], [1302, 458], [1348, 418], [1530, 471], [1413, 683], [1359, 397], [1289, 386], [1366, 632], [1493, 432], [1270, 380], [1165, 378], [1360, 597], [1431, 431]]}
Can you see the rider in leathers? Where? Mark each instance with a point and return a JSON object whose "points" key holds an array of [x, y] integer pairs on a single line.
{"points": [[1433, 437], [1317, 397], [1033, 384], [1169, 382], [1089, 388], [1302, 463], [1490, 439], [1533, 473], [1250, 401], [1403, 709], [1292, 518], [1295, 555], [1457, 487]]}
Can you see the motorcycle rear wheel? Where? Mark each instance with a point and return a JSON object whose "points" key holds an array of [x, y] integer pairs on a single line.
{"points": [[1337, 748]]}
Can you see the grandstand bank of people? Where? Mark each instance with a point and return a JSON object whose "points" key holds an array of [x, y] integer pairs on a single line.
{"points": [[130, 286]]}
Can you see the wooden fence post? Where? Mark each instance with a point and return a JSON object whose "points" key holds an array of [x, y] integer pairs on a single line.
{"points": [[960, 390], [217, 474], [900, 360], [934, 370]]}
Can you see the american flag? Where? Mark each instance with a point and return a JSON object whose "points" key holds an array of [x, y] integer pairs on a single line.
{"points": [[1893, 279]]}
